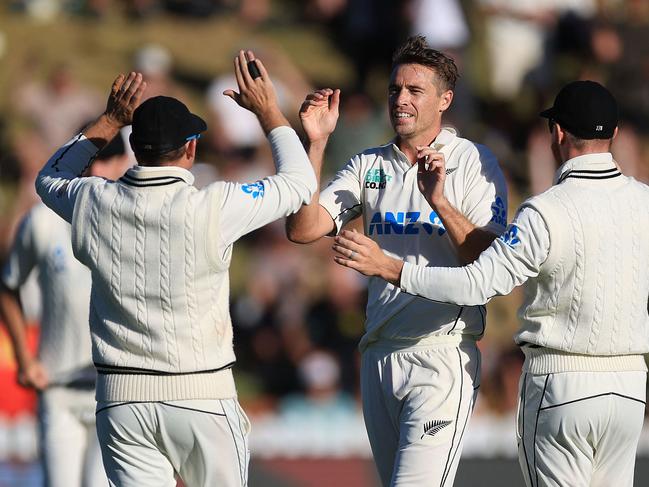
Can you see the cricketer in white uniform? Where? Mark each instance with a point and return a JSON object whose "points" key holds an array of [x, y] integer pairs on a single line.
{"points": [[62, 370], [420, 365], [66, 405], [584, 322], [159, 251]]}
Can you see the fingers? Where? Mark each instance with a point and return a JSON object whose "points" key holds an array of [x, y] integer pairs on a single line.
{"points": [[355, 237], [134, 81], [243, 65], [128, 89], [238, 74], [346, 262], [137, 96], [319, 97], [117, 84], [232, 94], [429, 152], [262, 69], [335, 101], [346, 246]]}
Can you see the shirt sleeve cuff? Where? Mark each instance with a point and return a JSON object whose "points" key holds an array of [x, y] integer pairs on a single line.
{"points": [[278, 132], [406, 278]]}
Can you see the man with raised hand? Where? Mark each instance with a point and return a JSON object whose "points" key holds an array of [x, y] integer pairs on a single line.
{"points": [[584, 323], [159, 252], [420, 365]]}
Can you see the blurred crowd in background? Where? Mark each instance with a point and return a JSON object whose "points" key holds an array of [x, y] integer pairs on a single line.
{"points": [[297, 315]]}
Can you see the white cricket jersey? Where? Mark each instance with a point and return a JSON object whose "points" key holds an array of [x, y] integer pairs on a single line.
{"points": [[42, 244], [381, 184], [587, 292], [160, 250]]}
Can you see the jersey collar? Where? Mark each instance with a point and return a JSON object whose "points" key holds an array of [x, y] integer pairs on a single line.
{"points": [[588, 166], [445, 137], [156, 176]]}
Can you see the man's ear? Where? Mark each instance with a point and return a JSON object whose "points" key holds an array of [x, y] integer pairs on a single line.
{"points": [[560, 133], [190, 150], [447, 98]]}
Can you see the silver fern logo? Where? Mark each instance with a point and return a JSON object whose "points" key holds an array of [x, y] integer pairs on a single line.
{"points": [[433, 427]]}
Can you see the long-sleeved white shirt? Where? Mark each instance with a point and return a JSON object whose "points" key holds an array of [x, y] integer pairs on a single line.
{"points": [[512, 259], [381, 184], [42, 245], [584, 293], [159, 251]]}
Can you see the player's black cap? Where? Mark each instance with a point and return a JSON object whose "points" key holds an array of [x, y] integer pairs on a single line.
{"points": [[585, 109], [162, 124]]}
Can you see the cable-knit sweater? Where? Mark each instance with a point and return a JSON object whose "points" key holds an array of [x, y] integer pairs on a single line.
{"points": [[583, 248], [159, 251]]}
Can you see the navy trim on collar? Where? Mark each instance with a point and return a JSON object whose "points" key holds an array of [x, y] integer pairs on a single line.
{"points": [[590, 174], [146, 182]]}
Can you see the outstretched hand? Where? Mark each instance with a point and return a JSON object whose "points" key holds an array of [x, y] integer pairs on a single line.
{"points": [[319, 113], [124, 98], [363, 254], [256, 94]]}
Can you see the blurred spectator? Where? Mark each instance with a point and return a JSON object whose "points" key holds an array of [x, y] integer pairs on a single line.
{"points": [[57, 107], [155, 63], [322, 401], [442, 22], [516, 35], [367, 31], [360, 125]]}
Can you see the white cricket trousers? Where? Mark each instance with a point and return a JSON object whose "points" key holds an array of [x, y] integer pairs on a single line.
{"points": [[68, 440], [144, 444], [416, 403], [580, 429]]}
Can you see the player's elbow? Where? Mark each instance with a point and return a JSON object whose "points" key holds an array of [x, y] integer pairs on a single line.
{"points": [[40, 184], [298, 235]]}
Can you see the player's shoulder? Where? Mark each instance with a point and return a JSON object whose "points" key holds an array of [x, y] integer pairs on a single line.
{"points": [[39, 215], [465, 150], [638, 185], [384, 151], [45, 222]]}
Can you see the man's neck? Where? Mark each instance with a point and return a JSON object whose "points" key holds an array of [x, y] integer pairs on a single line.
{"points": [[409, 145]]}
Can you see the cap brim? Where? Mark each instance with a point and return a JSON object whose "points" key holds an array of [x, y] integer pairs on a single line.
{"points": [[549, 113], [198, 124]]}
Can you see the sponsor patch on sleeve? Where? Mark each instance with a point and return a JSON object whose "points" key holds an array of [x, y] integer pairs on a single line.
{"points": [[510, 237], [256, 190], [499, 212]]}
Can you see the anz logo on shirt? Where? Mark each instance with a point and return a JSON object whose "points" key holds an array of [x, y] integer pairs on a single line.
{"points": [[376, 179], [499, 212], [254, 189], [510, 237], [405, 223]]}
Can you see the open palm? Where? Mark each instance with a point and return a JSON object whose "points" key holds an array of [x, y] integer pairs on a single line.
{"points": [[319, 113]]}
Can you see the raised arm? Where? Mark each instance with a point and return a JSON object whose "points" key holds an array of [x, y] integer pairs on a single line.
{"points": [[246, 207], [318, 114], [59, 181]]}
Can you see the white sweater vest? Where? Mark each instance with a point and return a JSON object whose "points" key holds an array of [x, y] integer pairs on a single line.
{"points": [[158, 290], [591, 294]]}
